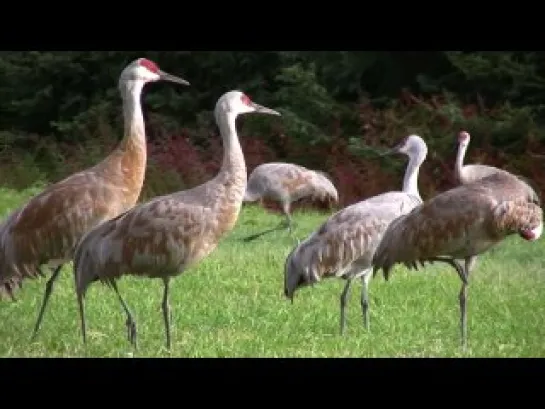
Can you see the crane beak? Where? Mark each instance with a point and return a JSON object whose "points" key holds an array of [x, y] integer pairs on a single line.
{"points": [[165, 76], [393, 150], [260, 109]]}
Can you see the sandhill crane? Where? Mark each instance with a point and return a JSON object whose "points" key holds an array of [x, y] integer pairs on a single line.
{"points": [[169, 234], [287, 183], [46, 229], [458, 224], [471, 173], [344, 245]]}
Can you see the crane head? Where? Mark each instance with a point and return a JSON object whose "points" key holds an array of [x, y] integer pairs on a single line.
{"points": [[145, 70], [237, 102], [295, 276], [463, 138], [532, 234], [412, 145]]}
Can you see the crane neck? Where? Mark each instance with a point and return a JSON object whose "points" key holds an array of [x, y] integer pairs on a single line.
{"points": [[233, 157], [134, 128], [126, 165], [462, 148], [410, 180]]}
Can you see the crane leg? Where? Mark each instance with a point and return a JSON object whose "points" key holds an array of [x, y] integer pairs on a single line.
{"points": [[47, 294], [131, 325], [365, 298], [463, 273], [166, 310], [283, 224], [82, 317], [289, 222], [344, 296], [463, 314], [470, 264]]}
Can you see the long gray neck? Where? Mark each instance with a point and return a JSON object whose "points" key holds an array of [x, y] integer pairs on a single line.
{"points": [[410, 180], [233, 158], [462, 147], [134, 129]]}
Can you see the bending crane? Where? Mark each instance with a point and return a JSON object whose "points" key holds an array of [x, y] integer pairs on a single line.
{"points": [[286, 183], [344, 245], [474, 172], [459, 224]]}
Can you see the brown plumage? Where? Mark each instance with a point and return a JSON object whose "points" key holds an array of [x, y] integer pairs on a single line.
{"points": [[46, 229], [286, 183], [169, 234], [459, 224], [471, 173]]}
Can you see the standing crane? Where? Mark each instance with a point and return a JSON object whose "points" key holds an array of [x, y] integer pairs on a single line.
{"points": [[470, 173], [460, 223], [287, 183], [344, 245], [46, 229], [164, 237]]}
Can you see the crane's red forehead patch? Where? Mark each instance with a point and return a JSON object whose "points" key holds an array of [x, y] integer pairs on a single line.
{"points": [[150, 65], [246, 99], [463, 135]]}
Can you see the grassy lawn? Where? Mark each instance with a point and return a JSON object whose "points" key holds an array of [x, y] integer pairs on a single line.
{"points": [[232, 305]]}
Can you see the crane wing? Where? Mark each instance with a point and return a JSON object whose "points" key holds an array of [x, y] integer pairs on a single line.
{"points": [[457, 223], [156, 238], [352, 234], [48, 226]]}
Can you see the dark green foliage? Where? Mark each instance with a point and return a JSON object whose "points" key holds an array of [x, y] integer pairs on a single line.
{"points": [[339, 108]]}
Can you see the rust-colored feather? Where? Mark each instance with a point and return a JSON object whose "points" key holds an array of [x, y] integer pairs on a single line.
{"points": [[47, 228], [462, 222]]}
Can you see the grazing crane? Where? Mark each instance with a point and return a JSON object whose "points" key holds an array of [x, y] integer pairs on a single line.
{"points": [[287, 183], [460, 223], [46, 229], [164, 237], [344, 245], [471, 173]]}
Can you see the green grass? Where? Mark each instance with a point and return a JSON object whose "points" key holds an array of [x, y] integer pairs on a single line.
{"points": [[232, 305]]}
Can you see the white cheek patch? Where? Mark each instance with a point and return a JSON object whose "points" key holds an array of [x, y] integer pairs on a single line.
{"points": [[145, 74]]}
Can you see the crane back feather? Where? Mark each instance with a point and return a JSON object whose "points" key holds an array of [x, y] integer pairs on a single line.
{"points": [[461, 222], [288, 182], [345, 243], [47, 228]]}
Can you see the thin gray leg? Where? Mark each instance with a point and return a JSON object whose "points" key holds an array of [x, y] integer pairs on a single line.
{"points": [[82, 317], [48, 290], [365, 298], [463, 301], [470, 264], [344, 296], [131, 324], [286, 207], [462, 297], [166, 311]]}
